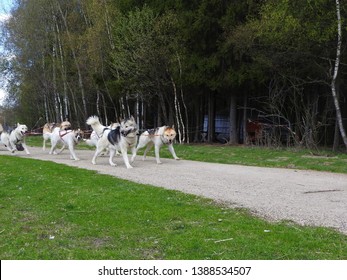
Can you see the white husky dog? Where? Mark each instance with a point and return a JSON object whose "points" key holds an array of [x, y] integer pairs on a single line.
{"points": [[65, 137], [157, 137], [15, 141], [122, 138], [48, 129]]}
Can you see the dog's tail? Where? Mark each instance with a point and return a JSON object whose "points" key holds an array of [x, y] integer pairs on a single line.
{"points": [[94, 122]]}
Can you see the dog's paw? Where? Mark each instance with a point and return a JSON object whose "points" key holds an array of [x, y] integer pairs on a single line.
{"points": [[159, 162], [113, 164], [129, 167], [177, 158]]}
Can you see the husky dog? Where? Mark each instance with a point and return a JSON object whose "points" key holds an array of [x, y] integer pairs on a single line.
{"points": [[67, 137], [48, 129], [122, 138], [46, 133], [94, 137], [15, 141], [157, 137]]}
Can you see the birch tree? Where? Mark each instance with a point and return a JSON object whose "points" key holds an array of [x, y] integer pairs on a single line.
{"points": [[335, 73]]}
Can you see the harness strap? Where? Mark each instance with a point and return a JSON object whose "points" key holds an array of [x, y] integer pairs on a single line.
{"points": [[62, 135]]}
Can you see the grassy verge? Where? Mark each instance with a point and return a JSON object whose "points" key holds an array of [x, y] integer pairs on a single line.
{"points": [[51, 211], [244, 155]]}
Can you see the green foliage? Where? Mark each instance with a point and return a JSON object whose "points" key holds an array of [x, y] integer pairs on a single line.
{"points": [[76, 58], [146, 47], [51, 211]]}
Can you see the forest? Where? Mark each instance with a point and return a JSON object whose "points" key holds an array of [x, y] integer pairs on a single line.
{"points": [[263, 72]]}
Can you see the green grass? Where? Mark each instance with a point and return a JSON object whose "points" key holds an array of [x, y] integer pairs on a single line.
{"points": [[266, 157], [245, 155], [52, 211]]}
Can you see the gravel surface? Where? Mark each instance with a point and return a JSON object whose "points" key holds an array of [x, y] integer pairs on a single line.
{"points": [[305, 197]]}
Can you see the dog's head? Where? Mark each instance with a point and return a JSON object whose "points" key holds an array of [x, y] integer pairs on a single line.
{"points": [[48, 127], [21, 129], [128, 127], [169, 134], [65, 125], [78, 135]]}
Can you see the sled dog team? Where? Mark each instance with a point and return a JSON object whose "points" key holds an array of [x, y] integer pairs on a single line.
{"points": [[117, 137]]}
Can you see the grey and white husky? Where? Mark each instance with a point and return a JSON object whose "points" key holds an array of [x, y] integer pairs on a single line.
{"points": [[122, 138]]}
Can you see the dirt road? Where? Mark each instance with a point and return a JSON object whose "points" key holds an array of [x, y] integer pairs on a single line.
{"points": [[305, 197]]}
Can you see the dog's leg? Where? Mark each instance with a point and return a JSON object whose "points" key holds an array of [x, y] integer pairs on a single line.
{"points": [[98, 151], [72, 152], [52, 150], [112, 151], [62, 149], [172, 151], [25, 148], [101, 145], [143, 141], [134, 153], [9, 147], [156, 150], [149, 146], [54, 143], [44, 145], [96, 154], [124, 152]]}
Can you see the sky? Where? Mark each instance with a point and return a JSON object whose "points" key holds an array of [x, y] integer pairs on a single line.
{"points": [[5, 6]]}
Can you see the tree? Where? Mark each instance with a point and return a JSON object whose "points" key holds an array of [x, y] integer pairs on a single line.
{"points": [[335, 73], [292, 42]]}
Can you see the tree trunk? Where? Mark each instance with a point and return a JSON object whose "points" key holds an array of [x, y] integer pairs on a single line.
{"points": [[244, 120], [211, 118], [336, 69], [80, 80], [232, 121], [336, 143]]}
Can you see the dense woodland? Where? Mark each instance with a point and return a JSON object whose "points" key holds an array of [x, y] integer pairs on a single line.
{"points": [[255, 71]]}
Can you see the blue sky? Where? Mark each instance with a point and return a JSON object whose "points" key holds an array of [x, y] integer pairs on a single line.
{"points": [[5, 7]]}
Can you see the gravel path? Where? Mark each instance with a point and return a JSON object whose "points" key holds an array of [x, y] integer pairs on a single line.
{"points": [[305, 197]]}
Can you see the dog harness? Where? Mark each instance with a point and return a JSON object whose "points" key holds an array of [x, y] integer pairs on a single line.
{"points": [[153, 132], [61, 135]]}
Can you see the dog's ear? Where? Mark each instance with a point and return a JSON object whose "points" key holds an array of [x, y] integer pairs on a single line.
{"points": [[18, 124], [132, 118], [173, 126]]}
